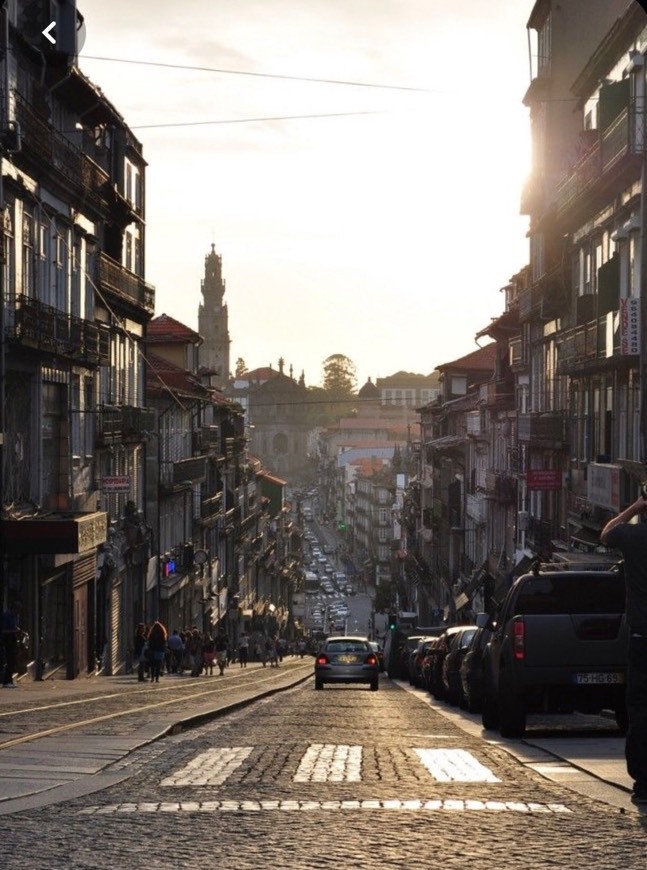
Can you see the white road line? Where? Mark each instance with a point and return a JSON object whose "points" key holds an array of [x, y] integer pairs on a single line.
{"points": [[212, 767], [254, 806], [454, 765]]}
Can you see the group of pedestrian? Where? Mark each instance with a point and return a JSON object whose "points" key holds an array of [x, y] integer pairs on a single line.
{"points": [[155, 651]]}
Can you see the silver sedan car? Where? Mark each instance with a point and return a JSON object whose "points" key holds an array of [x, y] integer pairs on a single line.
{"points": [[347, 660]]}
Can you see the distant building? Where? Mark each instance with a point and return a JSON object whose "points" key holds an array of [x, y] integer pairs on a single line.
{"points": [[213, 321], [408, 389]]}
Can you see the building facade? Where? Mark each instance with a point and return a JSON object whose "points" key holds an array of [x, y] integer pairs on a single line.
{"points": [[75, 310]]}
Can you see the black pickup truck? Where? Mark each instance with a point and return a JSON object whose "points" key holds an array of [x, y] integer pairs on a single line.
{"points": [[559, 644]]}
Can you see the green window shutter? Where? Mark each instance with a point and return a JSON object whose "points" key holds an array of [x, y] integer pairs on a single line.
{"points": [[609, 285], [613, 99]]}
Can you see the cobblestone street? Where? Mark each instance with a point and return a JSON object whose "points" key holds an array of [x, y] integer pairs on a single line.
{"points": [[312, 779]]}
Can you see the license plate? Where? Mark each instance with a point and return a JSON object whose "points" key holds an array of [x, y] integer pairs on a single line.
{"points": [[597, 679], [348, 660]]}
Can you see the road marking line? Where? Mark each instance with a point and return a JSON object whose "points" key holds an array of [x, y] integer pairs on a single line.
{"points": [[254, 806], [454, 765]]}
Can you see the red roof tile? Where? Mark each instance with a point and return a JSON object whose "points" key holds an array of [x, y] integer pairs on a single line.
{"points": [[483, 358], [164, 329]]}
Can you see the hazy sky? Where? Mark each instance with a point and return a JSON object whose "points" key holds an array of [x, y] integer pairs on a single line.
{"points": [[383, 234]]}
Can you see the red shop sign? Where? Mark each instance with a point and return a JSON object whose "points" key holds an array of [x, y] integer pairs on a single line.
{"points": [[548, 478]]}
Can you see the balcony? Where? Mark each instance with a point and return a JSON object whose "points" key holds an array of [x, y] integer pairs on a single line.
{"points": [[614, 155], [43, 327], [190, 470], [124, 424], [125, 285], [543, 429], [585, 349], [60, 159]]}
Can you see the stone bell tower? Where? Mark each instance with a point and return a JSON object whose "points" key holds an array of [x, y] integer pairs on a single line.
{"points": [[213, 323]]}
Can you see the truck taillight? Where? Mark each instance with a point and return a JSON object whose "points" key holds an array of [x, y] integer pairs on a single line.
{"points": [[519, 638]]}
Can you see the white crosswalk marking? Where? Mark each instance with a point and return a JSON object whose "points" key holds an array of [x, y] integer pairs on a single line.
{"points": [[330, 762], [247, 806], [454, 765], [212, 767]]}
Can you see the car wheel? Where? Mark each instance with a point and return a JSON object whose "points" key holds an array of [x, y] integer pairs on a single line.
{"points": [[622, 719], [512, 714], [318, 684], [375, 686], [490, 714], [471, 705]]}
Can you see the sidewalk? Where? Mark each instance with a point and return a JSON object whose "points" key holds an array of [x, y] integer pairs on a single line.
{"points": [[76, 762]]}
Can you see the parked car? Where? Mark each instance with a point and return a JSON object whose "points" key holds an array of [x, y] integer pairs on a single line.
{"points": [[347, 660], [437, 652], [377, 649], [416, 660], [472, 671], [451, 671], [559, 644], [407, 646]]}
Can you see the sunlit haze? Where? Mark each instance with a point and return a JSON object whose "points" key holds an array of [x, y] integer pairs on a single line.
{"points": [[384, 235]]}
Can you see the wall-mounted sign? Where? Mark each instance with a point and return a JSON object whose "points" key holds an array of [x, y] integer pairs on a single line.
{"points": [[630, 326], [120, 483], [544, 478], [603, 485]]}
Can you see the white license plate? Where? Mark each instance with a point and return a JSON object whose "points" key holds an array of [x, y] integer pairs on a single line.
{"points": [[599, 679]]}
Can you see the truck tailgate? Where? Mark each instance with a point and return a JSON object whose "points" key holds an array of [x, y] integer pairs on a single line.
{"points": [[593, 641]]}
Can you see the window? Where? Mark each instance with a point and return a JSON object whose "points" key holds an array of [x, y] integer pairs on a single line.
{"points": [[27, 255], [544, 47]]}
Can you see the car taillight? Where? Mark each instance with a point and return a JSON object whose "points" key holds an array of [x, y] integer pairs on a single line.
{"points": [[371, 659], [519, 628], [322, 660]]}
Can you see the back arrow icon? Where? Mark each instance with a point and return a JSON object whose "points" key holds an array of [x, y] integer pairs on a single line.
{"points": [[47, 34]]}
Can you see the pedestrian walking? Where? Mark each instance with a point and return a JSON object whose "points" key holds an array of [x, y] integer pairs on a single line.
{"points": [[630, 538], [11, 635], [140, 651], [208, 654], [243, 649], [195, 651], [220, 645], [176, 652], [157, 637]]}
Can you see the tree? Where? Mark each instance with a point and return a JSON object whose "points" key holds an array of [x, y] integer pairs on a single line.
{"points": [[340, 375], [241, 368]]}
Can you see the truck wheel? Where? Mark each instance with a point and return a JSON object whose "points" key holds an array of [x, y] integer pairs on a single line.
{"points": [[489, 713], [512, 715], [622, 719]]}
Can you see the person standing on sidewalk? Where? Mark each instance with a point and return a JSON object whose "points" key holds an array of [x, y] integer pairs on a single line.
{"points": [[10, 636], [140, 651], [157, 637], [630, 538], [243, 649], [221, 645]]}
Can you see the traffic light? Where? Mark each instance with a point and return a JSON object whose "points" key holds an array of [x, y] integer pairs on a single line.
{"points": [[393, 622], [341, 525]]}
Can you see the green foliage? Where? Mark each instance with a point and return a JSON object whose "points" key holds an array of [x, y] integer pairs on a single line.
{"points": [[339, 376]]}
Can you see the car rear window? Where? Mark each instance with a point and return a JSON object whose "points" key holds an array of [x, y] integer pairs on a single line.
{"points": [[340, 646], [590, 593]]}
